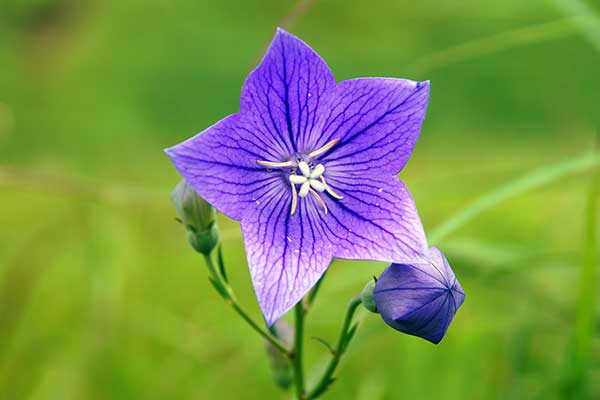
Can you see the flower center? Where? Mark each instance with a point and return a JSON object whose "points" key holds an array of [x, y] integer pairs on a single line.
{"points": [[309, 177]]}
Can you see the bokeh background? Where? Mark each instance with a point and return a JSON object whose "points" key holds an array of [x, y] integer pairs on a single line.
{"points": [[101, 297]]}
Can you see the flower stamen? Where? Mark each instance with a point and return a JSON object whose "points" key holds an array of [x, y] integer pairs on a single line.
{"points": [[324, 148], [319, 199], [330, 190], [273, 164], [294, 196]]}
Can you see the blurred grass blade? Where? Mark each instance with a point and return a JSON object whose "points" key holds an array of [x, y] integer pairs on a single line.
{"points": [[502, 41], [578, 363], [590, 27], [530, 181], [301, 8]]}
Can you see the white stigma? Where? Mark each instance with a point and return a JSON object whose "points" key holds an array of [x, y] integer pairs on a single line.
{"points": [[311, 181], [309, 178]]}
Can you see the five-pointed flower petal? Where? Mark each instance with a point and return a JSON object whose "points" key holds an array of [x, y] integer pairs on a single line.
{"points": [[308, 168], [419, 299]]}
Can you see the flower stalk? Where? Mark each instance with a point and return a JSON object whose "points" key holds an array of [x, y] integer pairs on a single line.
{"points": [[346, 334], [298, 350], [226, 291]]}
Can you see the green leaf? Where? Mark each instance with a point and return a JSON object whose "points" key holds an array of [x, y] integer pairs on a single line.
{"points": [[324, 343], [221, 264], [219, 287]]}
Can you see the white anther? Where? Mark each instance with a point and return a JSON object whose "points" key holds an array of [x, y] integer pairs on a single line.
{"points": [[272, 164], [304, 168], [319, 199], [324, 148], [317, 185], [298, 179], [304, 189], [318, 171], [329, 190], [294, 200]]}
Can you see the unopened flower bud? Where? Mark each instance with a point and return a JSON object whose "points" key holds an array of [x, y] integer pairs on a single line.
{"points": [[366, 296], [198, 217], [281, 368], [419, 299]]}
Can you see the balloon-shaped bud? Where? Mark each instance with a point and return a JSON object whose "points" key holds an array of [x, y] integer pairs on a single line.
{"points": [[419, 299], [198, 217]]}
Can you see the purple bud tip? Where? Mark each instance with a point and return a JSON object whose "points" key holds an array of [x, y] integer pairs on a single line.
{"points": [[419, 299]]}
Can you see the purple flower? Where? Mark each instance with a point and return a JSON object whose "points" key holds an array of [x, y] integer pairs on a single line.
{"points": [[308, 167], [419, 298]]}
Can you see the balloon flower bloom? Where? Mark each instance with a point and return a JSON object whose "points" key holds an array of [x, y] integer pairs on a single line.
{"points": [[308, 166]]}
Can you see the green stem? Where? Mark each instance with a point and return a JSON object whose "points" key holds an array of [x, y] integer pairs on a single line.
{"points": [[232, 300], [298, 340], [341, 347], [212, 269]]}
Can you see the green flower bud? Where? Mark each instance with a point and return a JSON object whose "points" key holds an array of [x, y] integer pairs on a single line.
{"points": [[198, 217], [281, 367], [366, 296]]}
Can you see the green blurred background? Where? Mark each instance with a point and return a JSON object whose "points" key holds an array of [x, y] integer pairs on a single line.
{"points": [[101, 297]]}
